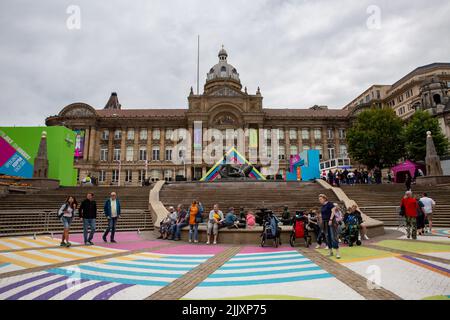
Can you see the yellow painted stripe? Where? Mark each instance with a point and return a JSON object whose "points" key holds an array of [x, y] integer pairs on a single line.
{"points": [[36, 257], [16, 262], [15, 242], [62, 254], [3, 247], [103, 250], [45, 244], [89, 252], [367, 258]]}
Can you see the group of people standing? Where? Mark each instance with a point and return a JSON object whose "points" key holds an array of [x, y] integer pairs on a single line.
{"points": [[418, 212], [351, 177], [180, 218], [87, 211]]}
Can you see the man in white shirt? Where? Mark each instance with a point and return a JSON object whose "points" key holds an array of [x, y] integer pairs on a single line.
{"points": [[428, 206]]}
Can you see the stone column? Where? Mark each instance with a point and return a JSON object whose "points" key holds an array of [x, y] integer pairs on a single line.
{"points": [[123, 148], [325, 143], [136, 146], [93, 144], [95, 154], [111, 145], [299, 140], [312, 137], [162, 146], [337, 142], [86, 144]]}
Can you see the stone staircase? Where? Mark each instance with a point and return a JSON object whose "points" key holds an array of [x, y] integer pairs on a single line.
{"points": [[24, 214], [250, 195], [381, 202]]}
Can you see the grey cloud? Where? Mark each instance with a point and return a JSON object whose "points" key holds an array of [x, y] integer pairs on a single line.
{"points": [[300, 53]]}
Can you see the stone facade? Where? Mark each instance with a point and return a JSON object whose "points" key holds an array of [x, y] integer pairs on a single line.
{"points": [[132, 136]]}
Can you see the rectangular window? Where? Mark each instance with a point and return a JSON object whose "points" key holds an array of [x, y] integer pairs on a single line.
{"points": [[342, 134], [305, 134], [331, 153], [155, 153], [280, 134], [141, 176], [118, 135], [115, 176], [142, 154], [130, 134], [169, 154], [281, 153], [128, 176], [102, 176], [343, 151], [293, 134], [169, 134], [330, 132], [293, 150], [143, 134], [168, 175], [130, 153], [104, 154], [116, 154], [105, 135], [156, 134], [318, 134]]}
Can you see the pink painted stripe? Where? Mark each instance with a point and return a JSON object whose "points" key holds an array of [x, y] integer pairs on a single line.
{"points": [[120, 236], [192, 249], [132, 245], [259, 249], [6, 151]]}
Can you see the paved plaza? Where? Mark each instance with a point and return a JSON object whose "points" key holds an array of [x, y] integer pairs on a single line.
{"points": [[141, 267]]}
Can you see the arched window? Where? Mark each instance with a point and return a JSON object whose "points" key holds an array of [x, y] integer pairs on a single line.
{"points": [[437, 99], [223, 71]]}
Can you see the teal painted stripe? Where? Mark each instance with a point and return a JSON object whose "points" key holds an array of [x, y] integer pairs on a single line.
{"points": [[262, 273], [131, 273], [264, 281], [147, 267], [110, 279], [267, 265], [162, 261], [232, 261], [4, 265], [256, 255], [184, 258]]}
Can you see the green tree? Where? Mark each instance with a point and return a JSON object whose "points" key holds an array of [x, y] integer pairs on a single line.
{"points": [[415, 135], [376, 138]]}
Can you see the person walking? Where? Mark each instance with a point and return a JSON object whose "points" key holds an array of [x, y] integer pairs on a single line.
{"points": [[66, 214], [112, 210], [195, 217], [88, 212], [215, 218], [408, 181], [428, 207], [410, 206], [329, 224], [182, 221]]}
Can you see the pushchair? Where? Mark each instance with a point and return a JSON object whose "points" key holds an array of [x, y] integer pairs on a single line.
{"points": [[271, 231], [351, 231], [299, 229]]}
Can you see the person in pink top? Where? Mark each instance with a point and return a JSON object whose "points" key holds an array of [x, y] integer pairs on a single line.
{"points": [[250, 219]]}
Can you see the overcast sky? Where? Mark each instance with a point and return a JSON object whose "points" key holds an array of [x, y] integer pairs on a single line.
{"points": [[299, 52]]}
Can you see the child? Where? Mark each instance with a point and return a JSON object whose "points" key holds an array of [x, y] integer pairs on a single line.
{"points": [[250, 219]]}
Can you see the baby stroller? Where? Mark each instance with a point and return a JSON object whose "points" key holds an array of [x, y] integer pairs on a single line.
{"points": [[299, 229], [271, 231], [351, 232]]}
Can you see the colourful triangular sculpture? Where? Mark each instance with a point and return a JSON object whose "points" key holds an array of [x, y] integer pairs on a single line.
{"points": [[232, 156]]}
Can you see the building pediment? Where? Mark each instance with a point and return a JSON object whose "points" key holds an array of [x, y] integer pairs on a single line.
{"points": [[226, 92], [78, 110]]}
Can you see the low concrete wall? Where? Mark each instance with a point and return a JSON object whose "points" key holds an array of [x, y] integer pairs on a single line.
{"points": [[156, 207], [432, 180], [374, 227]]}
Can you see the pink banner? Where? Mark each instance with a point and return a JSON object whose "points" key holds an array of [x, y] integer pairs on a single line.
{"points": [[6, 151]]}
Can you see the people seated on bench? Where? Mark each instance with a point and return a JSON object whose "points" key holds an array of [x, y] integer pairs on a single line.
{"points": [[286, 216], [195, 217], [167, 224], [215, 218], [363, 228], [250, 220], [231, 220], [182, 221]]}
